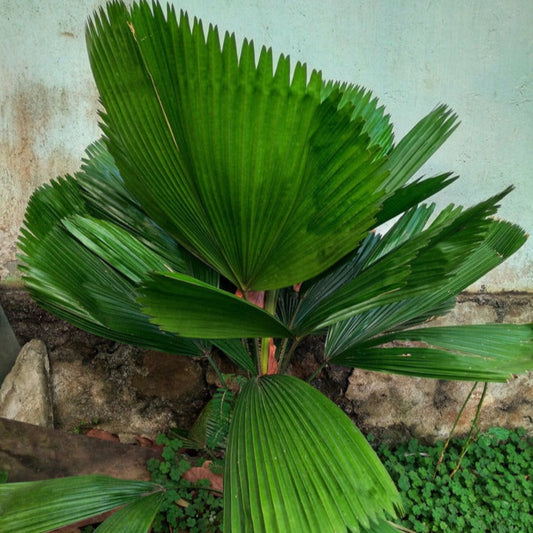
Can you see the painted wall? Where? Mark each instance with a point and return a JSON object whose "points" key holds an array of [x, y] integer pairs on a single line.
{"points": [[476, 56]]}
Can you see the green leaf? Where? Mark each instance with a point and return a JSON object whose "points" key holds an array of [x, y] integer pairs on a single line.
{"points": [[411, 195], [85, 270], [403, 483], [70, 281], [40, 506], [264, 218], [237, 352], [210, 430], [47, 206], [430, 262], [219, 417], [296, 462], [403, 314], [106, 198], [137, 517], [491, 352], [185, 306], [420, 143], [501, 241], [115, 246], [371, 249], [377, 125]]}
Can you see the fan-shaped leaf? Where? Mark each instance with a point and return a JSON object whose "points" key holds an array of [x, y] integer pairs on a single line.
{"points": [[290, 183], [296, 462], [418, 266], [136, 517], [103, 192], [502, 239], [237, 352], [420, 143], [75, 283], [491, 352]]}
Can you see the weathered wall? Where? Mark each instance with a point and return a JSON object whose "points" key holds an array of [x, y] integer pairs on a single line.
{"points": [[476, 56], [396, 407], [131, 392]]}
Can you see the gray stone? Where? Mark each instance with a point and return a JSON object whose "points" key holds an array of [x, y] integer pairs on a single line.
{"points": [[25, 393]]}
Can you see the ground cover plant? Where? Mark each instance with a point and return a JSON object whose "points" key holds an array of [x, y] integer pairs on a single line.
{"points": [[191, 506], [492, 490], [444, 487], [235, 203]]}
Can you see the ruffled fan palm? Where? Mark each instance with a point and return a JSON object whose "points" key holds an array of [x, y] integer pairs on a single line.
{"points": [[225, 179]]}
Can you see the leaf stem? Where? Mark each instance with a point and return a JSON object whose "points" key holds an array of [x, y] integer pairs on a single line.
{"points": [[457, 418], [217, 371], [316, 372], [473, 427], [271, 298], [286, 356]]}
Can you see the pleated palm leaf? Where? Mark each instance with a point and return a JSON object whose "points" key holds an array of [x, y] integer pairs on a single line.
{"points": [[223, 180]]}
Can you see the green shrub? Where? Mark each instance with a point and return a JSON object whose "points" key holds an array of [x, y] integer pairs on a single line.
{"points": [[491, 490]]}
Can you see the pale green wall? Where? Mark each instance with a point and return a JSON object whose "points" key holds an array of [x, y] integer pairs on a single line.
{"points": [[475, 55]]}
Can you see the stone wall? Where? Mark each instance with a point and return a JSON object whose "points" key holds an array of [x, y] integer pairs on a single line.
{"points": [[397, 407], [137, 393], [96, 382]]}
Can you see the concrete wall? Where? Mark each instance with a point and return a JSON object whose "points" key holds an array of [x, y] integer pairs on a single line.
{"points": [[477, 56]]}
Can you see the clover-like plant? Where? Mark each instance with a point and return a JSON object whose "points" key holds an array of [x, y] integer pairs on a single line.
{"points": [[235, 203]]}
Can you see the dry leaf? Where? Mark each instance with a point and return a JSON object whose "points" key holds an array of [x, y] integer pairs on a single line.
{"points": [[197, 473], [102, 434]]}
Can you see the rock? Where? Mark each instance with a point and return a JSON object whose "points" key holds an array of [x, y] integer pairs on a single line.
{"points": [[126, 391], [93, 394], [169, 377], [25, 393], [398, 407]]}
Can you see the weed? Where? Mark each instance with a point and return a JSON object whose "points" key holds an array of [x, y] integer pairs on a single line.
{"points": [[187, 506], [84, 426], [490, 491]]}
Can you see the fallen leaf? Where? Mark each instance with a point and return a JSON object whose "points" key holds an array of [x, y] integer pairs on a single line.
{"points": [[145, 442], [197, 473], [102, 434]]}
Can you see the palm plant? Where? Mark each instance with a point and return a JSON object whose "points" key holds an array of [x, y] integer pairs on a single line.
{"points": [[235, 204]]}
